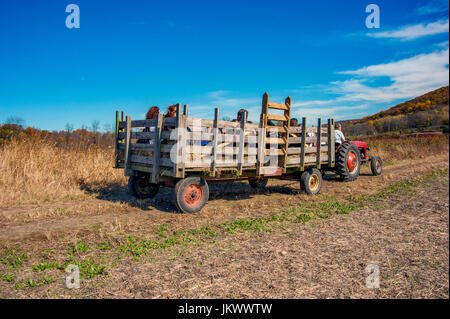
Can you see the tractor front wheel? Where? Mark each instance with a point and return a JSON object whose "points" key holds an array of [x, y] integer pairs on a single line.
{"points": [[311, 181], [348, 161], [191, 194], [376, 165], [141, 188]]}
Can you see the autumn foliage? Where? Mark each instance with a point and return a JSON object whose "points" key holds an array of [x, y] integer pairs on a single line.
{"points": [[427, 112]]}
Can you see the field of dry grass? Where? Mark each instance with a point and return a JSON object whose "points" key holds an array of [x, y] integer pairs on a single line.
{"points": [[32, 171], [60, 207]]}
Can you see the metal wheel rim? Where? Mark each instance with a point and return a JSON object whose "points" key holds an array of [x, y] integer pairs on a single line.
{"points": [[352, 162], [193, 195], [313, 182]]}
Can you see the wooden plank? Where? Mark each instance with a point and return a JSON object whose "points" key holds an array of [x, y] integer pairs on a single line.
{"points": [[299, 140], [319, 135], [138, 135], [139, 123], [279, 129], [262, 134], [241, 143], [298, 150], [182, 140], [275, 140], [298, 129], [331, 151], [278, 106], [274, 151], [170, 121], [116, 141], [308, 160], [140, 159], [137, 146], [177, 158], [157, 146], [220, 124], [141, 168], [287, 114], [166, 161], [303, 141], [277, 117], [214, 144], [249, 161], [127, 144]]}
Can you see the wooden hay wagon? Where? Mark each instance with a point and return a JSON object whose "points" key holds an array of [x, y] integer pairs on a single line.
{"points": [[189, 153]]}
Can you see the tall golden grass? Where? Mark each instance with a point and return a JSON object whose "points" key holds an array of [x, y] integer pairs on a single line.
{"points": [[36, 170], [409, 147]]}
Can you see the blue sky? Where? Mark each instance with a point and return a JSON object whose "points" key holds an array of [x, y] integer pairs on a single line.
{"points": [[130, 55]]}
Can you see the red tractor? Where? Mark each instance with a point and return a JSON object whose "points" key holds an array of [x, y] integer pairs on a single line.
{"points": [[349, 157]]}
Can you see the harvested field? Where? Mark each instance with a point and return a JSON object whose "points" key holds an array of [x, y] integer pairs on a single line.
{"points": [[273, 243]]}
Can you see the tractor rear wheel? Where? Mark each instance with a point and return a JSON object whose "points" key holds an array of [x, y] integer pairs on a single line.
{"points": [[258, 183], [376, 165], [141, 188], [348, 161], [311, 181], [191, 194]]}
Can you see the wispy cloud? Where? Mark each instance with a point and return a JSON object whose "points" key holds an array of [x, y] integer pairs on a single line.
{"points": [[436, 6], [411, 32], [408, 78], [312, 113], [228, 105]]}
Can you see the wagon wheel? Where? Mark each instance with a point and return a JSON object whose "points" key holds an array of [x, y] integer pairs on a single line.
{"points": [[258, 183], [376, 165], [191, 194], [141, 188], [348, 161], [311, 181]]}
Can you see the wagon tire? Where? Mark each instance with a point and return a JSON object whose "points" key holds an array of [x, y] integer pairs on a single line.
{"points": [[141, 188], [348, 162], [311, 181], [258, 183], [376, 165], [191, 194]]}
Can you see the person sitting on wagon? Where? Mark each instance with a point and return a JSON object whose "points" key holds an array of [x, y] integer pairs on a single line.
{"points": [[293, 122], [151, 115], [339, 137], [239, 116]]}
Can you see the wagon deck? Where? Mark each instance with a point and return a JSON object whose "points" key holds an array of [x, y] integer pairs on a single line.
{"points": [[173, 148]]}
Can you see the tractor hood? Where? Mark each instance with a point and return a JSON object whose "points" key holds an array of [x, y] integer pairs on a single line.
{"points": [[359, 144]]}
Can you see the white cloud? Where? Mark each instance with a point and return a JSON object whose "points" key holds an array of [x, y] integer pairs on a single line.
{"points": [[436, 6], [227, 106], [408, 78], [336, 112], [414, 31]]}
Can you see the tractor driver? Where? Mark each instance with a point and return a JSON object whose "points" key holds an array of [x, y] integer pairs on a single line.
{"points": [[339, 137]]}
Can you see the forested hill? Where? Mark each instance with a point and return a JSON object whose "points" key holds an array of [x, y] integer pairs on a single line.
{"points": [[428, 111]]}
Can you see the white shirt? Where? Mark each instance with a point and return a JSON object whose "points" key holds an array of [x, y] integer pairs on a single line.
{"points": [[338, 137]]}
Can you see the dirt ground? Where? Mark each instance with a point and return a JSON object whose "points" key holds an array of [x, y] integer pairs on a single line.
{"points": [[272, 243]]}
